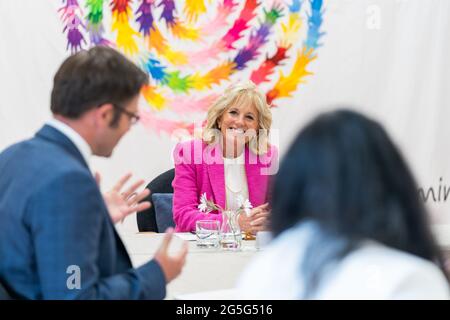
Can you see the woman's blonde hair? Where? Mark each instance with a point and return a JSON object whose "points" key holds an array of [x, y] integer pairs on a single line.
{"points": [[238, 94]]}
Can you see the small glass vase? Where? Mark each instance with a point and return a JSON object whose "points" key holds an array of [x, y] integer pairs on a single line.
{"points": [[230, 232]]}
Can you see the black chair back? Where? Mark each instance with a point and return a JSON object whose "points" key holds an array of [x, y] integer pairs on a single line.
{"points": [[146, 219]]}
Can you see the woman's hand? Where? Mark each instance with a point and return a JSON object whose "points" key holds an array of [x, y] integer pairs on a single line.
{"points": [[256, 221]]}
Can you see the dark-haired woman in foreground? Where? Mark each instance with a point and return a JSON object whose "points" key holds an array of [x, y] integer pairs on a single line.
{"points": [[347, 221]]}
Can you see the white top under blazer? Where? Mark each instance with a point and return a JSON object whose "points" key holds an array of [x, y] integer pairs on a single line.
{"points": [[235, 181]]}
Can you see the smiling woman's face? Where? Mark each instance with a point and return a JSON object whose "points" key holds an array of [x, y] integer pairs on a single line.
{"points": [[237, 120]]}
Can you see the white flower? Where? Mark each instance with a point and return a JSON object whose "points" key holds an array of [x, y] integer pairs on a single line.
{"points": [[244, 204], [207, 205], [203, 205]]}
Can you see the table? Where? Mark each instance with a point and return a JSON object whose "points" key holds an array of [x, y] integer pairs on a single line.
{"points": [[205, 269]]}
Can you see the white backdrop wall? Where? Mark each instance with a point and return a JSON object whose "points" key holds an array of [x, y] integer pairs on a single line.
{"points": [[387, 58]]}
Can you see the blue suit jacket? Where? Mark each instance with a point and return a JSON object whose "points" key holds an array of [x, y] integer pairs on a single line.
{"points": [[52, 217]]}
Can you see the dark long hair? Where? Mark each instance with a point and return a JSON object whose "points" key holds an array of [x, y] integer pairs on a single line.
{"points": [[344, 173]]}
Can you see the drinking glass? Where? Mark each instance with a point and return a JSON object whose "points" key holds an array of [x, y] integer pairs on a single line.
{"points": [[207, 232]]}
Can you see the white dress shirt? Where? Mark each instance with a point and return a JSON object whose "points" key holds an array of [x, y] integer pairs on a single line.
{"points": [[373, 271], [73, 136]]}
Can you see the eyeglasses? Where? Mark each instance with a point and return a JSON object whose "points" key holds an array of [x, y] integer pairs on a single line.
{"points": [[134, 118]]}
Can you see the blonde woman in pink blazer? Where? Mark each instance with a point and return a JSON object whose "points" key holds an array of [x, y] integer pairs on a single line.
{"points": [[232, 162]]}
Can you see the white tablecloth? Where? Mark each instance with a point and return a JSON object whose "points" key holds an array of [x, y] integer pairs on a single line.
{"points": [[205, 269]]}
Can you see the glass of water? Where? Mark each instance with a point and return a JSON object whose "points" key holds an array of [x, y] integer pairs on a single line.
{"points": [[207, 232]]}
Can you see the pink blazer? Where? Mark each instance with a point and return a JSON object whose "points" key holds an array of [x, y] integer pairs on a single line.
{"points": [[199, 169]]}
